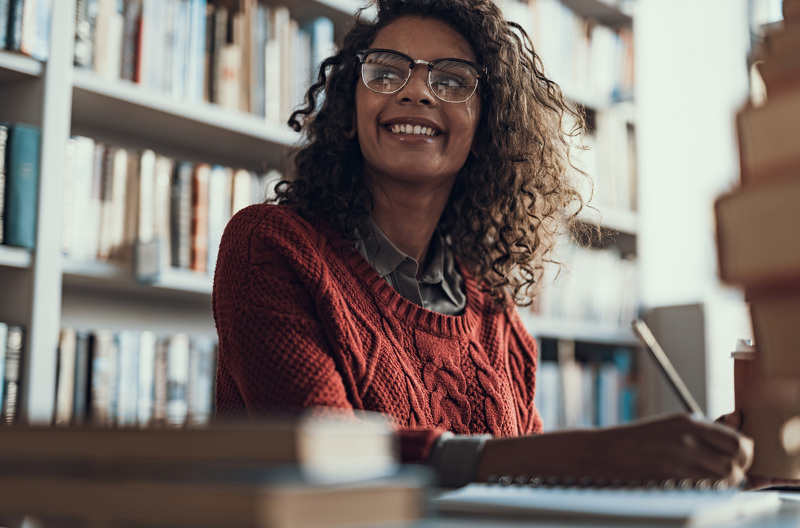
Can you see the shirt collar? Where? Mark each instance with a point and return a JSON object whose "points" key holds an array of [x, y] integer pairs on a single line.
{"points": [[386, 258]]}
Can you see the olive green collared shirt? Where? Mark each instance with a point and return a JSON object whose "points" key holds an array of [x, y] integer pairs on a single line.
{"points": [[440, 288]]}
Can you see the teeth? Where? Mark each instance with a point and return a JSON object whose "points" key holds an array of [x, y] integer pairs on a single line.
{"points": [[413, 129]]}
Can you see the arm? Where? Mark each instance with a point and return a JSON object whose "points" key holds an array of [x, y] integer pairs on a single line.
{"points": [[675, 447]]}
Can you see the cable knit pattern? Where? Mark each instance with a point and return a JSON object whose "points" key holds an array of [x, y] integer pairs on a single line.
{"points": [[304, 320]]}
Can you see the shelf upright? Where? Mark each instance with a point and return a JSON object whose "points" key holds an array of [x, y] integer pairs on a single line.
{"points": [[39, 370]]}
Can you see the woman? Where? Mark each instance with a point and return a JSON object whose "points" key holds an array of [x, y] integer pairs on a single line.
{"points": [[419, 212]]}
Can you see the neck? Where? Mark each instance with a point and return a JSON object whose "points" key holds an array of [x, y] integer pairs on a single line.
{"points": [[408, 216]]}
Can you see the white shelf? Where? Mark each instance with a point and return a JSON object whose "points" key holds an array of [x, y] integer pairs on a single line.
{"points": [[119, 277], [602, 11], [339, 11], [552, 328], [186, 129], [14, 257], [15, 67]]}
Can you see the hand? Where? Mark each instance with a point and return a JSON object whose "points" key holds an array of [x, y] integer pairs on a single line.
{"points": [[674, 447], [734, 421]]}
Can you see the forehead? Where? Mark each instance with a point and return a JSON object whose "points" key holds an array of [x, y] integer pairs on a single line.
{"points": [[423, 38]]}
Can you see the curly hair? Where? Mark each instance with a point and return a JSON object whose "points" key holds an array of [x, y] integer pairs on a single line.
{"points": [[514, 192]]}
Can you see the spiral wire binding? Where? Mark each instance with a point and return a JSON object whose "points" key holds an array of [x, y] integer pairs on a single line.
{"points": [[552, 481]]}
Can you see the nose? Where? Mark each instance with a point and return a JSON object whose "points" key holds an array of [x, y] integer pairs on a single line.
{"points": [[416, 89]]}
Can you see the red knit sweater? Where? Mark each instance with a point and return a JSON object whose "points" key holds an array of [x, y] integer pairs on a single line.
{"points": [[304, 320]]}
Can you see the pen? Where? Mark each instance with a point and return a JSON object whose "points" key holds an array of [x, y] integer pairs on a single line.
{"points": [[649, 341]]}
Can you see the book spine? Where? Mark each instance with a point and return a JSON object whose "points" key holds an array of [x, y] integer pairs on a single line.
{"points": [[208, 59], [202, 366], [14, 32], [3, 143], [41, 48], [160, 383], [13, 374], [3, 342], [22, 183], [29, 21], [130, 39], [200, 188], [4, 11], [65, 377], [146, 389], [177, 380], [103, 374], [105, 195], [128, 397], [68, 214], [82, 390], [181, 221]]}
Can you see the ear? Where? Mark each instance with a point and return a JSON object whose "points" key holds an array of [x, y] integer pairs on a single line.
{"points": [[353, 132]]}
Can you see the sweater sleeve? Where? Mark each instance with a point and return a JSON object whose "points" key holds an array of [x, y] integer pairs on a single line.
{"points": [[274, 354]]}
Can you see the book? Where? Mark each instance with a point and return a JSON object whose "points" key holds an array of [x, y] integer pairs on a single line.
{"points": [[12, 374], [766, 138], [108, 39], [775, 315], [22, 182], [675, 506], [200, 388], [130, 39], [14, 34], [27, 40], [3, 341], [146, 386], [181, 215], [177, 405], [387, 502], [68, 201], [65, 377], [41, 47], [4, 6], [326, 448], [3, 149], [791, 11], [756, 227], [103, 367], [200, 229], [83, 33], [128, 379], [83, 226], [82, 388]]}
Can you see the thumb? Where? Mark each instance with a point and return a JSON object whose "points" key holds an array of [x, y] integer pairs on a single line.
{"points": [[732, 420]]}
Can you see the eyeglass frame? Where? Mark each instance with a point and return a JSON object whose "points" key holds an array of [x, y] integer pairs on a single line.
{"points": [[480, 70]]}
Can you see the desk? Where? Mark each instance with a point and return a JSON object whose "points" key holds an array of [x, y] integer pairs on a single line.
{"points": [[788, 516]]}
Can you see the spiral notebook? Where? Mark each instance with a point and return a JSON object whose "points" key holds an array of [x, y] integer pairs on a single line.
{"points": [[692, 506]]}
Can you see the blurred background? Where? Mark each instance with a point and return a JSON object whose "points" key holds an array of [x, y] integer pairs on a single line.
{"points": [[133, 130]]}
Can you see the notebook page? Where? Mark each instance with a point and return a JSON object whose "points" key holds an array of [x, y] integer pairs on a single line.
{"points": [[695, 507]]}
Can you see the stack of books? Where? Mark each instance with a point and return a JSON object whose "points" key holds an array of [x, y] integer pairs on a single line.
{"points": [[312, 471], [757, 238]]}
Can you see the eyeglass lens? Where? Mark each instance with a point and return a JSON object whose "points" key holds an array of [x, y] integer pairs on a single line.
{"points": [[450, 81]]}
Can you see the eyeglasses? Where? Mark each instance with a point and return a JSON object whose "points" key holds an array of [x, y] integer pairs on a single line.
{"points": [[451, 80]]}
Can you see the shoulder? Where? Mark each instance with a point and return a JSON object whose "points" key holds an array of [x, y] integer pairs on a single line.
{"points": [[273, 225], [264, 231]]}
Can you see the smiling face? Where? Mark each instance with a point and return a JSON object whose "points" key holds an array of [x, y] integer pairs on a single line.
{"points": [[411, 136]]}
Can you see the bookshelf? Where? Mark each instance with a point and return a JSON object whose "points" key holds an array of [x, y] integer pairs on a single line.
{"points": [[581, 320], [49, 290]]}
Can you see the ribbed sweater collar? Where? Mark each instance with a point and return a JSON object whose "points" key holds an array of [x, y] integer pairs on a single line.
{"points": [[396, 304]]}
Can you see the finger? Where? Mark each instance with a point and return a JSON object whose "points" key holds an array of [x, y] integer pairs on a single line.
{"points": [[717, 437]]}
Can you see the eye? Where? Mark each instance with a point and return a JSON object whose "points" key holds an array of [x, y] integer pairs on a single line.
{"points": [[449, 81]]}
